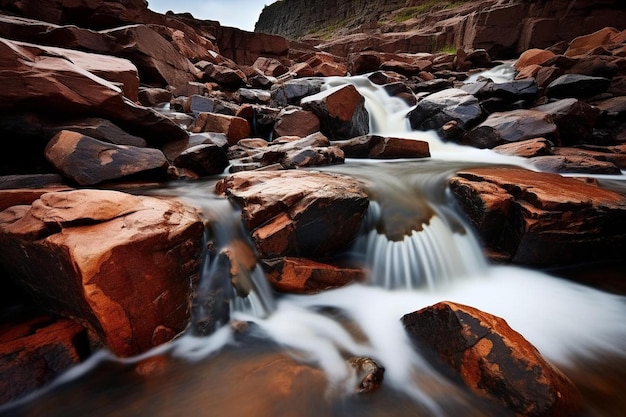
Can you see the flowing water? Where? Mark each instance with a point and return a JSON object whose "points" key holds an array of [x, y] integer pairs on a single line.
{"points": [[292, 360]]}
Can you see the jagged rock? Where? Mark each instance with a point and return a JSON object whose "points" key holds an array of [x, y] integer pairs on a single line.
{"points": [[492, 359], [437, 109], [269, 66], [245, 47], [294, 213], [586, 43], [122, 265], [305, 276], [381, 147], [513, 126], [292, 91], [310, 157], [88, 161], [100, 129], [369, 373], [511, 91], [575, 119], [152, 96], [535, 218], [235, 128], [577, 86], [225, 75], [341, 111], [614, 154], [254, 95], [296, 122], [196, 104], [35, 351], [203, 159], [325, 65]]}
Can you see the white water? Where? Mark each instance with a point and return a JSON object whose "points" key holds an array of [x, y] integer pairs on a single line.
{"points": [[439, 260]]}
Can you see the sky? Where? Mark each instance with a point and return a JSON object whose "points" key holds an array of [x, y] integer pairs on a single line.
{"points": [[241, 14]]}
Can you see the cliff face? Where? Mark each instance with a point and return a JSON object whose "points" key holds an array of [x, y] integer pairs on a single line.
{"points": [[502, 27]]}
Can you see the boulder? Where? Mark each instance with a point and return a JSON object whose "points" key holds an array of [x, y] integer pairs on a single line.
{"points": [[526, 148], [88, 161], [305, 276], [381, 147], [235, 128], [577, 86], [296, 122], [341, 111], [292, 91], [533, 56], [573, 164], [121, 265], [586, 43], [492, 359], [542, 219], [35, 351], [513, 126], [297, 213], [575, 119], [203, 159]]}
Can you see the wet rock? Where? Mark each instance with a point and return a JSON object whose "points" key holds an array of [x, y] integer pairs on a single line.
{"points": [[526, 148], [35, 351], [575, 119], [573, 164], [614, 154], [577, 86], [495, 361], [296, 122], [542, 219], [87, 161], [203, 159], [369, 373], [305, 276], [294, 213], [292, 91], [122, 265], [341, 111], [437, 109], [514, 126], [235, 128], [310, 157], [525, 90]]}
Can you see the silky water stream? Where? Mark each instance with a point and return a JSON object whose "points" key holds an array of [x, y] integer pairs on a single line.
{"points": [[292, 360]]}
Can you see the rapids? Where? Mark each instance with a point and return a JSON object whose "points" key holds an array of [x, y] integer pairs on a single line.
{"points": [[419, 250]]}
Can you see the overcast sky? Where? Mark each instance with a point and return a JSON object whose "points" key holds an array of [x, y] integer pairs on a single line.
{"points": [[241, 14]]}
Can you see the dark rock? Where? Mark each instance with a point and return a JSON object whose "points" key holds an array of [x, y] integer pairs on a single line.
{"points": [[513, 126], [204, 159], [292, 91], [573, 164], [577, 86], [574, 118]]}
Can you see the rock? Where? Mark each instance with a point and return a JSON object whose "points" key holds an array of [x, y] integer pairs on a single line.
{"points": [[292, 91], [575, 119], [437, 109], [341, 111], [380, 147], [573, 164], [203, 159], [296, 122], [324, 65], [513, 126], [526, 148], [225, 75], [577, 86], [122, 265], [269, 66], [614, 154], [542, 219], [101, 129], [152, 96], [35, 351], [245, 47], [492, 359], [305, 276], [586, 43], [254, 95], [369, 373], [297, 213], [533, 56], [512, 91], [159, 63], [87, 161], [310, 157], [235, 128]]}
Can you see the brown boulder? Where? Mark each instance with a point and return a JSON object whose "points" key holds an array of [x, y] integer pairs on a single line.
{"points": [[35, 351], [341, 111], [120, 264], [575, 119], [235, 128], [298, 213], [492, 359], [381, 147], [536, 218], [296, 122], [203, 159], [526, 148], [583, 44], [573, 163], [88, 161], [305, 276], [533, 57]]}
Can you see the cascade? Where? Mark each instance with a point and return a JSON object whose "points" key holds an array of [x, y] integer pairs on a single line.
{"points": [[419, 250]]}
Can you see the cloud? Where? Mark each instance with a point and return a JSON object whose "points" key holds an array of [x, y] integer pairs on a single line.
{"points": [[242, 14]]}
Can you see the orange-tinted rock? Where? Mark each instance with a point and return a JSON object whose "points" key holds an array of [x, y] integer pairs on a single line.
{"points": [[298, 213], [305, 276], [492, 359], [537, 218], [572, 162], [526, 148], [583, 44], [122, 265], [34, 352], [295, 122], [533, 57], [235, 128]]}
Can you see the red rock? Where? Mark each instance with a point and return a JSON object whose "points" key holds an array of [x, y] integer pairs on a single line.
{"points": [[88, 161], [245, 47], [295, 122], [492, 359], [305, 276], [536, 218], [573, 163], [526, 148], [583, 44], [122, 265], [204, 159], [269, 66], [298, 213], [235, 128], [34, 352], [533, 57]]}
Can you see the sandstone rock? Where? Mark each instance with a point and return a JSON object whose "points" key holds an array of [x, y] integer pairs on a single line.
{"points": [[122, 265], [254, 95], [35, 351], [225, 75], [305, 276], [88, 161], [437, 109], [615, 154], [310, 157], [292, 91], [492, 359], [526, 148], [296, 122], [269, 66], [533, 56], [574, 164], [204, 159], [324, 65], [575, 119], [295, 213], [542, 219], [583, 44], [235, 128], [245, 47], [513, 126], [150, 97], [341, 111], [101, 129], [369, 373], [577, 86]]}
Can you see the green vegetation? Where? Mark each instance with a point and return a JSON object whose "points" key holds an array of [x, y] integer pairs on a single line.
{"points": [[425, 7], [447, 49]]}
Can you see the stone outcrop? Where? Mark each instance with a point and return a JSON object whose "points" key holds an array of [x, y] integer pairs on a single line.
{"points": [[123, 264], [492, 359], [541, 219]]}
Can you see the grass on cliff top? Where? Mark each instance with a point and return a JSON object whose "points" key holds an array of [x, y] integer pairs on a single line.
{"points": [[425, 7]]}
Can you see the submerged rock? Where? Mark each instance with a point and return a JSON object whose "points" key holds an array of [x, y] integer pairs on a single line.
{"points": [[495, 361]]}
